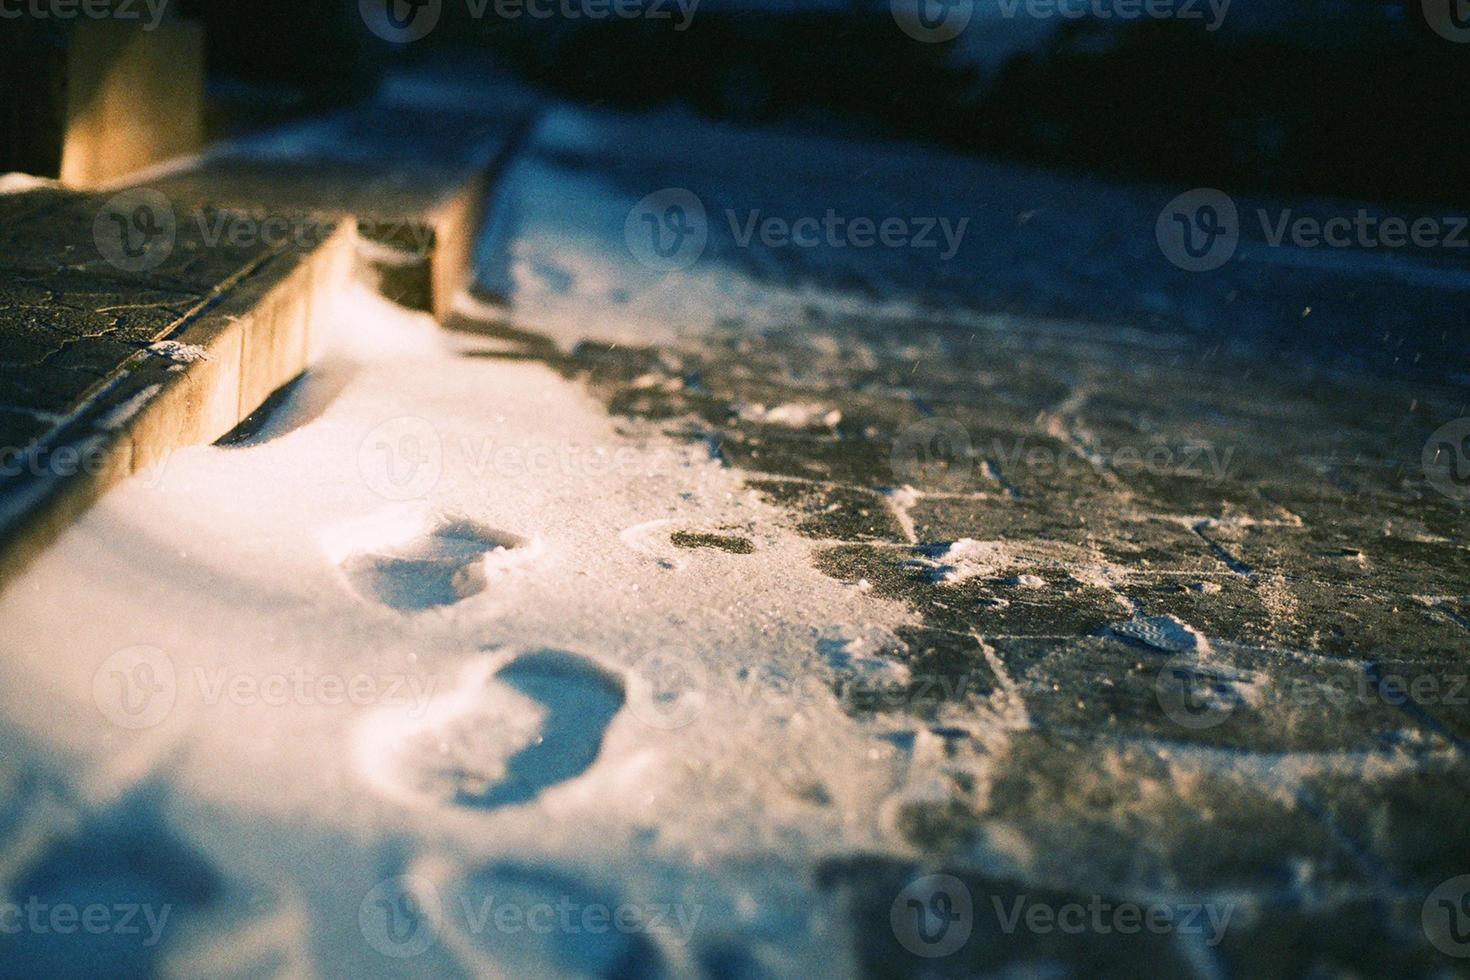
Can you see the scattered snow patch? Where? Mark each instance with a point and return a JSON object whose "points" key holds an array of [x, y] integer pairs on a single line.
{"points": [[179, 353], [1162, 633], [18, 183], [792, 415], [967, 558]]}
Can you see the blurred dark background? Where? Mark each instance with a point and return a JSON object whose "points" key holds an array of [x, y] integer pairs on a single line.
{"points": [[1354, 98]]}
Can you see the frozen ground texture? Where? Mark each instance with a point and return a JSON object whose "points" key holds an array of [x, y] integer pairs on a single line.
{"points": [[649, 592]]}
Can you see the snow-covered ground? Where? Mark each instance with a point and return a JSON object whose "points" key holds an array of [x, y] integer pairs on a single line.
{"points": [[430, 622], [445, 668]]}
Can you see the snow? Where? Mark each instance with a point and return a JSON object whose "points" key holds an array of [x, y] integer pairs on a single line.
{"points": [[559, 247], [328, 724], [179, 353], [18, 183], [793, 415], [967, 558]]}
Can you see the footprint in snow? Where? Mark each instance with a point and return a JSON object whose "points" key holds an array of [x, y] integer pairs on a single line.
{"points": [[508, 732], [443, 566]]}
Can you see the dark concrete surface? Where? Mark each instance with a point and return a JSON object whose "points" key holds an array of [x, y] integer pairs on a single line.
{"points": [[1210, 647]]}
